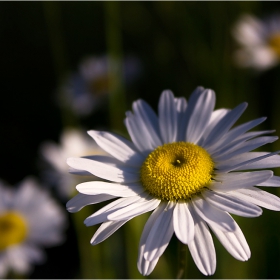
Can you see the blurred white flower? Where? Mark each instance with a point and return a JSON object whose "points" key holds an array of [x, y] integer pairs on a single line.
{"points": [[29, 219], [72, 141], [259, 42], [87, 89]]}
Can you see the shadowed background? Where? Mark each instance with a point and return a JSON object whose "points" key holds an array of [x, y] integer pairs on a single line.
{"points": [[179, 45]]}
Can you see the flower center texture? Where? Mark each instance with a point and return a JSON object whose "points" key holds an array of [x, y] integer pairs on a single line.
{"points": [[177, 171], [274, 43], [13, 229]]}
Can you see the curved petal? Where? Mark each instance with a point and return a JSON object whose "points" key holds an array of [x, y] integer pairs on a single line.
{"points": [[160, 234], [216, 116], [200, 116], [250, 160], [148, 117], [234, 242], [245, 147], [202, 247], [189, 110], [118, 147], [235, 133], [258, 197], [235, 180], [213, 215], [183, 222], [228, 203], [113, 189], [101, 215], [106, 230], [135, 209], [81, 200], [167, 117], [146, 267], [181, 107], [104, 171], [274, 181], [224, 125]]}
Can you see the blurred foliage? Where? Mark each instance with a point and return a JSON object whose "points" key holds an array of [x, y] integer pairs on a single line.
{"points": [[181, 45]]}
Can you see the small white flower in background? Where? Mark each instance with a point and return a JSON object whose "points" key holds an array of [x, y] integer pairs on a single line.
{"points": [[29, 219], [187, 165], [72, 142], [87, 89], [259, 42]]}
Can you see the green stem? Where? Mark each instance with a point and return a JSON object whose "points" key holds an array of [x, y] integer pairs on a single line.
{"points": [[182, 260], [117, 100], [90, 256]]}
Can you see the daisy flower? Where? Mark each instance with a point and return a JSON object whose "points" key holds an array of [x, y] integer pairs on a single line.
{"points": [[187, 165], [72, 142], [87, 89], [259, 42], [29, 219]]}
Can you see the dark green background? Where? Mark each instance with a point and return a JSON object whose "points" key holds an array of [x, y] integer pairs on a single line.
{"points": [[181, 45]]}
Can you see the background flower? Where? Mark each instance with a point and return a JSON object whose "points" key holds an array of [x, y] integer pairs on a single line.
{"points": [[29, 219], [86, 90], [72, 141], [259, 41]]}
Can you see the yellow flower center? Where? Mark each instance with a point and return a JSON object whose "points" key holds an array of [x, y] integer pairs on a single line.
{"points": [[274, 43], [176, 171], [13, 229]]}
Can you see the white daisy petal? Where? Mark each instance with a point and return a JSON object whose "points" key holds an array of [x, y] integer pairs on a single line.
{"points": [[104, 171], [234, 242], [183, 222], [135, 209], [160, 234], [231, 145], [202, 247], [146, 267], [216, 116], [251, 160], [274, 181], [224, 125], [235, 132], [231, 181], [213, 215], [105, 231], [101, 215], [246, 147], [167, 117], [139, 135], [181, 106], [199, 119], [118, 147], [258, 197], [231, 204], [81, 200], [149, 119], [188, 113], [97, 187]]}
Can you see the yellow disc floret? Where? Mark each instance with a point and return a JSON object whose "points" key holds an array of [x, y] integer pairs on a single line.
{"points": [[13, 229], [274, 43], [177, 171]]}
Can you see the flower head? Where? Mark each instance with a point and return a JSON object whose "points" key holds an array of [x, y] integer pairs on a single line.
{"points": [[72, 142], [29, 219], [87, 88], [190, 167], [259, 41]]}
